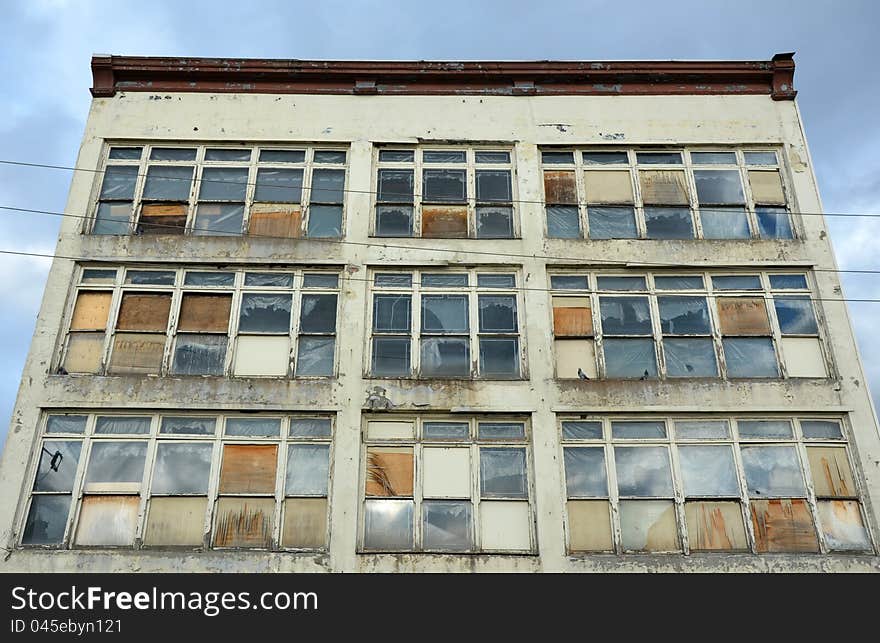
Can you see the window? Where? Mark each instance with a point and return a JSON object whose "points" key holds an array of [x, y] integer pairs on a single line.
{"points": [[182, 480], [456, 192], [139, 321], [438, 324], [647, 325], [673, 194], [671, 484], [471, 494], [222, 191]]}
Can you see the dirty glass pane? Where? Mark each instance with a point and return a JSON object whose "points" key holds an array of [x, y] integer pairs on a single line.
{"points": [[444, 185], [279, 185], [447, 525], [821, 429], [503, 473], [442, 280], [764, 428], [263, 313], [116, 462], [496, 281], [188, 425], [684, 315], [678, 283], [605, 158], [167, 183], [585, 472], [327, 186], [445, 356], [57, 468], [307, 468], [122, 425], [494, 222], [737, 282], [446, 430], [394, 221], [612, 223], [391, 313], [219, 218], [760, 158], [112, 218], [659, 158], [444, 313], [66, 424], [199, 355], [669, 223], [223, 184], [643, 471], [630, 358], [493, 185], [625, 315], [396, 156], [724, 223], [497, 313], [225, 154], [568, 282], [581, 430], [150, 277], [501, 431], [773, 223], [788, 282], [499, 357], [271, 279], [96, 276], [253, 427], [750, 357], [621, 283], [315, 356], [719, 186], [702, 429], [388, 524], [46, 520], [691, 357], [563, 222], [392, 280], [492, 157], [843, 526], [282, 156], [395, 186], [634, 429], [330, 156], [772, 471], [320, 280], [553, 158], [795, 315], [325, 221], [181, 468], [172, 154], [318, 314], [119, 181], [713, 158], [209, 279], [443, 156], [708, 471], [125, 153], [310, 428]]}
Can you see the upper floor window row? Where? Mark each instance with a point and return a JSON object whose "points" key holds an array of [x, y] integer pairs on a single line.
{"points": [[665, 194], [221, 191]]}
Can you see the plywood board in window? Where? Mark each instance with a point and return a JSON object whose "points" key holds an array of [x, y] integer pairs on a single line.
{"points": [[107, 520], [574, 354], [445, 221], [589, 526], [176, 521], [305, 523], [560, 187], [248, 468], [389, 471], [743, 316], [505, 525], [91, 311], [831, 473], [162, 218], [275, 220], [84, 353], [766, 187], [244, 522], [612, 186], [803, 357], [255, 356], [715, 526], [144, 311], [783, 526], [572, 317], [204, 312], [137, 354], [447, 472]]}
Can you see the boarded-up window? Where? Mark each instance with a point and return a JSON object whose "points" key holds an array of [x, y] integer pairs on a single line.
{"points": [[715, 526], [244, 522], [389, 471], [137, 354], [572, 317], [305, 523], [842, 525], [446, 473], [201, 312], [830, 471], [144, 311], [766, 187], [560, 187], [84, 353], [91, 311], [176, 521], [783, 526], [663, 187], [803, 357], [589, 526], [608, 187], [275, 220], [107, 520], [162, 218], [648, 525], [505, 526], [445, 221], [743, 316], [255, 355], [248, 468]]}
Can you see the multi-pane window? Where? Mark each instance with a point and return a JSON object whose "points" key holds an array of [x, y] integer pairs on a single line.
{"points": [[668, 194], [759, 484], [638, 325], [450, 324], [155, 321], [181, 480], [455, 192], [457, 484], [218, 191]]}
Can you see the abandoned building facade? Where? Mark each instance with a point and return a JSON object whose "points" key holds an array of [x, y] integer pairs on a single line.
{"points": [[421, 316]]}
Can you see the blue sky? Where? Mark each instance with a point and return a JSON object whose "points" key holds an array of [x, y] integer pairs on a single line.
{"points": [[45, 46]]}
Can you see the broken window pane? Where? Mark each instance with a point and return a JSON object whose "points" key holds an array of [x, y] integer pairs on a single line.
{"points": [[493, 185], [795, 315], [750, 357], [719, 187], [563, 222], [315, 356], [702, 429], [581, 430], [444, 185], [318, 314], [766, 187], [743, 316], [325, 221], [568, 282], [831, 473], [119, 425], [446, 473], [447, 525], [643, 471], [395, 186], [585, 472], [503, 473], [572, 317], [389, 471], [394, 221], [181, 467], [445, 356], [678, 283], [441, 280], [551, 158], [199, 355], [244, 522], [621, 283], [589, 525], [821, 429], [708, 471], [220, 218], [116, 466], [491, 157], [282, 156], [396, 156], [663, 187], [204, 312], [501, 431], [66, 424], [783, 526], [713, 158], [248, 468], [172, 154], [494, 222], [499, 357], [659, 158], [751, 429], [444, 313], [773, 223], [226, 154], [150, 277], [119, 182], [684, 315], [168, 183], [690, 357], [320, 280], [144, 311], [279, 185], [505, 526], [269, 279], [443, 156], [162, 218], [308, 466], [612, 223], [842, 525], [330, 156], [305, 523], [634, 429], [253, 427], [388, 524], [630, 358], [310, 428], [137, 354], [760, 158], [209, 278], [605, 158], [57, 468], [715, 526], [91, 311], [669, 223], [788, 282], [223, 184], [608, 186], [107, 520], [625, 315], [46, 521], [560, 187], [445, 221], [497, 313], [724, 223], [391, 356], [188, 425], [648, 526], [772, 471], [176, 521], [264, 313], [125, 153]]}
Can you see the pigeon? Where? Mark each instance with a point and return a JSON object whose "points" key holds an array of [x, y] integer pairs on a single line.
{"points": [[582, 375]]}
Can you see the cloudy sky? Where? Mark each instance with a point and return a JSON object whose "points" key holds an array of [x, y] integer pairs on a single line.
{"points": [[45, 46]]}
